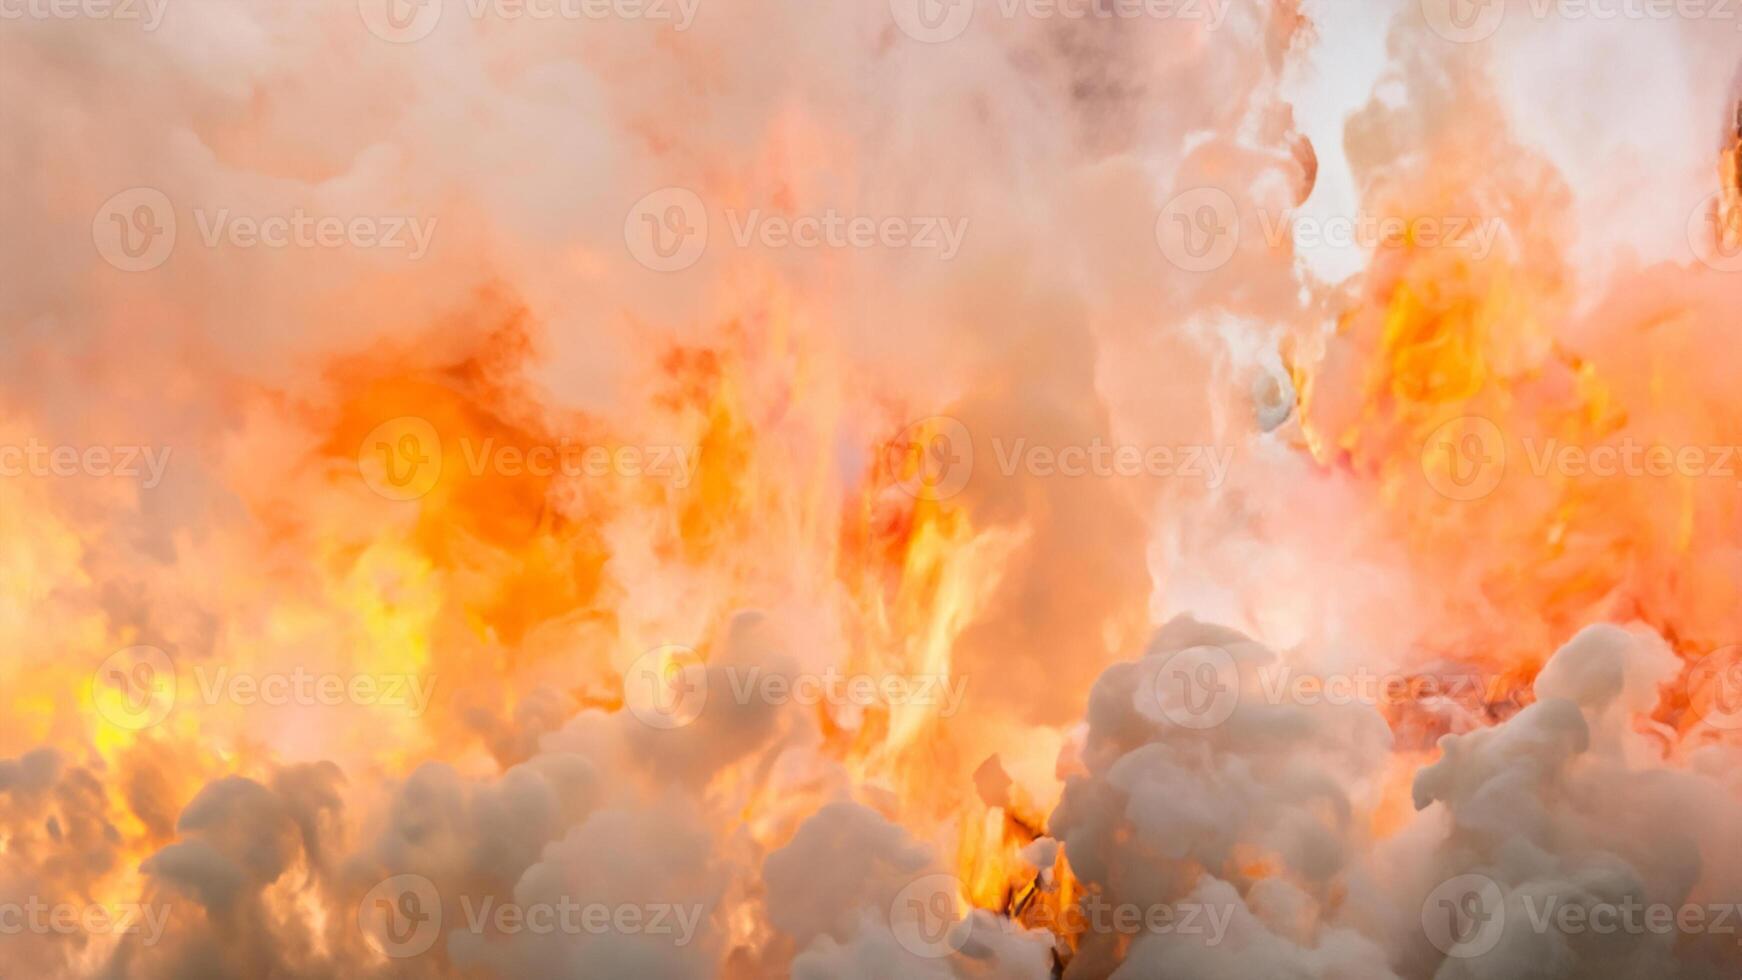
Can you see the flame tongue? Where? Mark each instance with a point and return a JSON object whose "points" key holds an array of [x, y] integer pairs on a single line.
{"points": [[1729, 222], [738, 638]]}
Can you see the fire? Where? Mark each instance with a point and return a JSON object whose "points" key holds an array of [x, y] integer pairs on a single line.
{"points": [[1729, 200], [548, 569], [1450, 382]]}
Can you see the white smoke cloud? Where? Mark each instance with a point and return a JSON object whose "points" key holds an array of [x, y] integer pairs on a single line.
{"points": [[531, 823]]}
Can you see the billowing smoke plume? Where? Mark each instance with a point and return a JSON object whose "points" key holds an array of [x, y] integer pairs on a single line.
{"points": [[674, 489]]}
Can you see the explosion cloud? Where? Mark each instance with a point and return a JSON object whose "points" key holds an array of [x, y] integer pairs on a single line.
{"points": [[917, 488]]}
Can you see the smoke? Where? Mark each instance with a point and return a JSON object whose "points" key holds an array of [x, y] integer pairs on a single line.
{"points": [[1267, 810], [415, 567]]}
